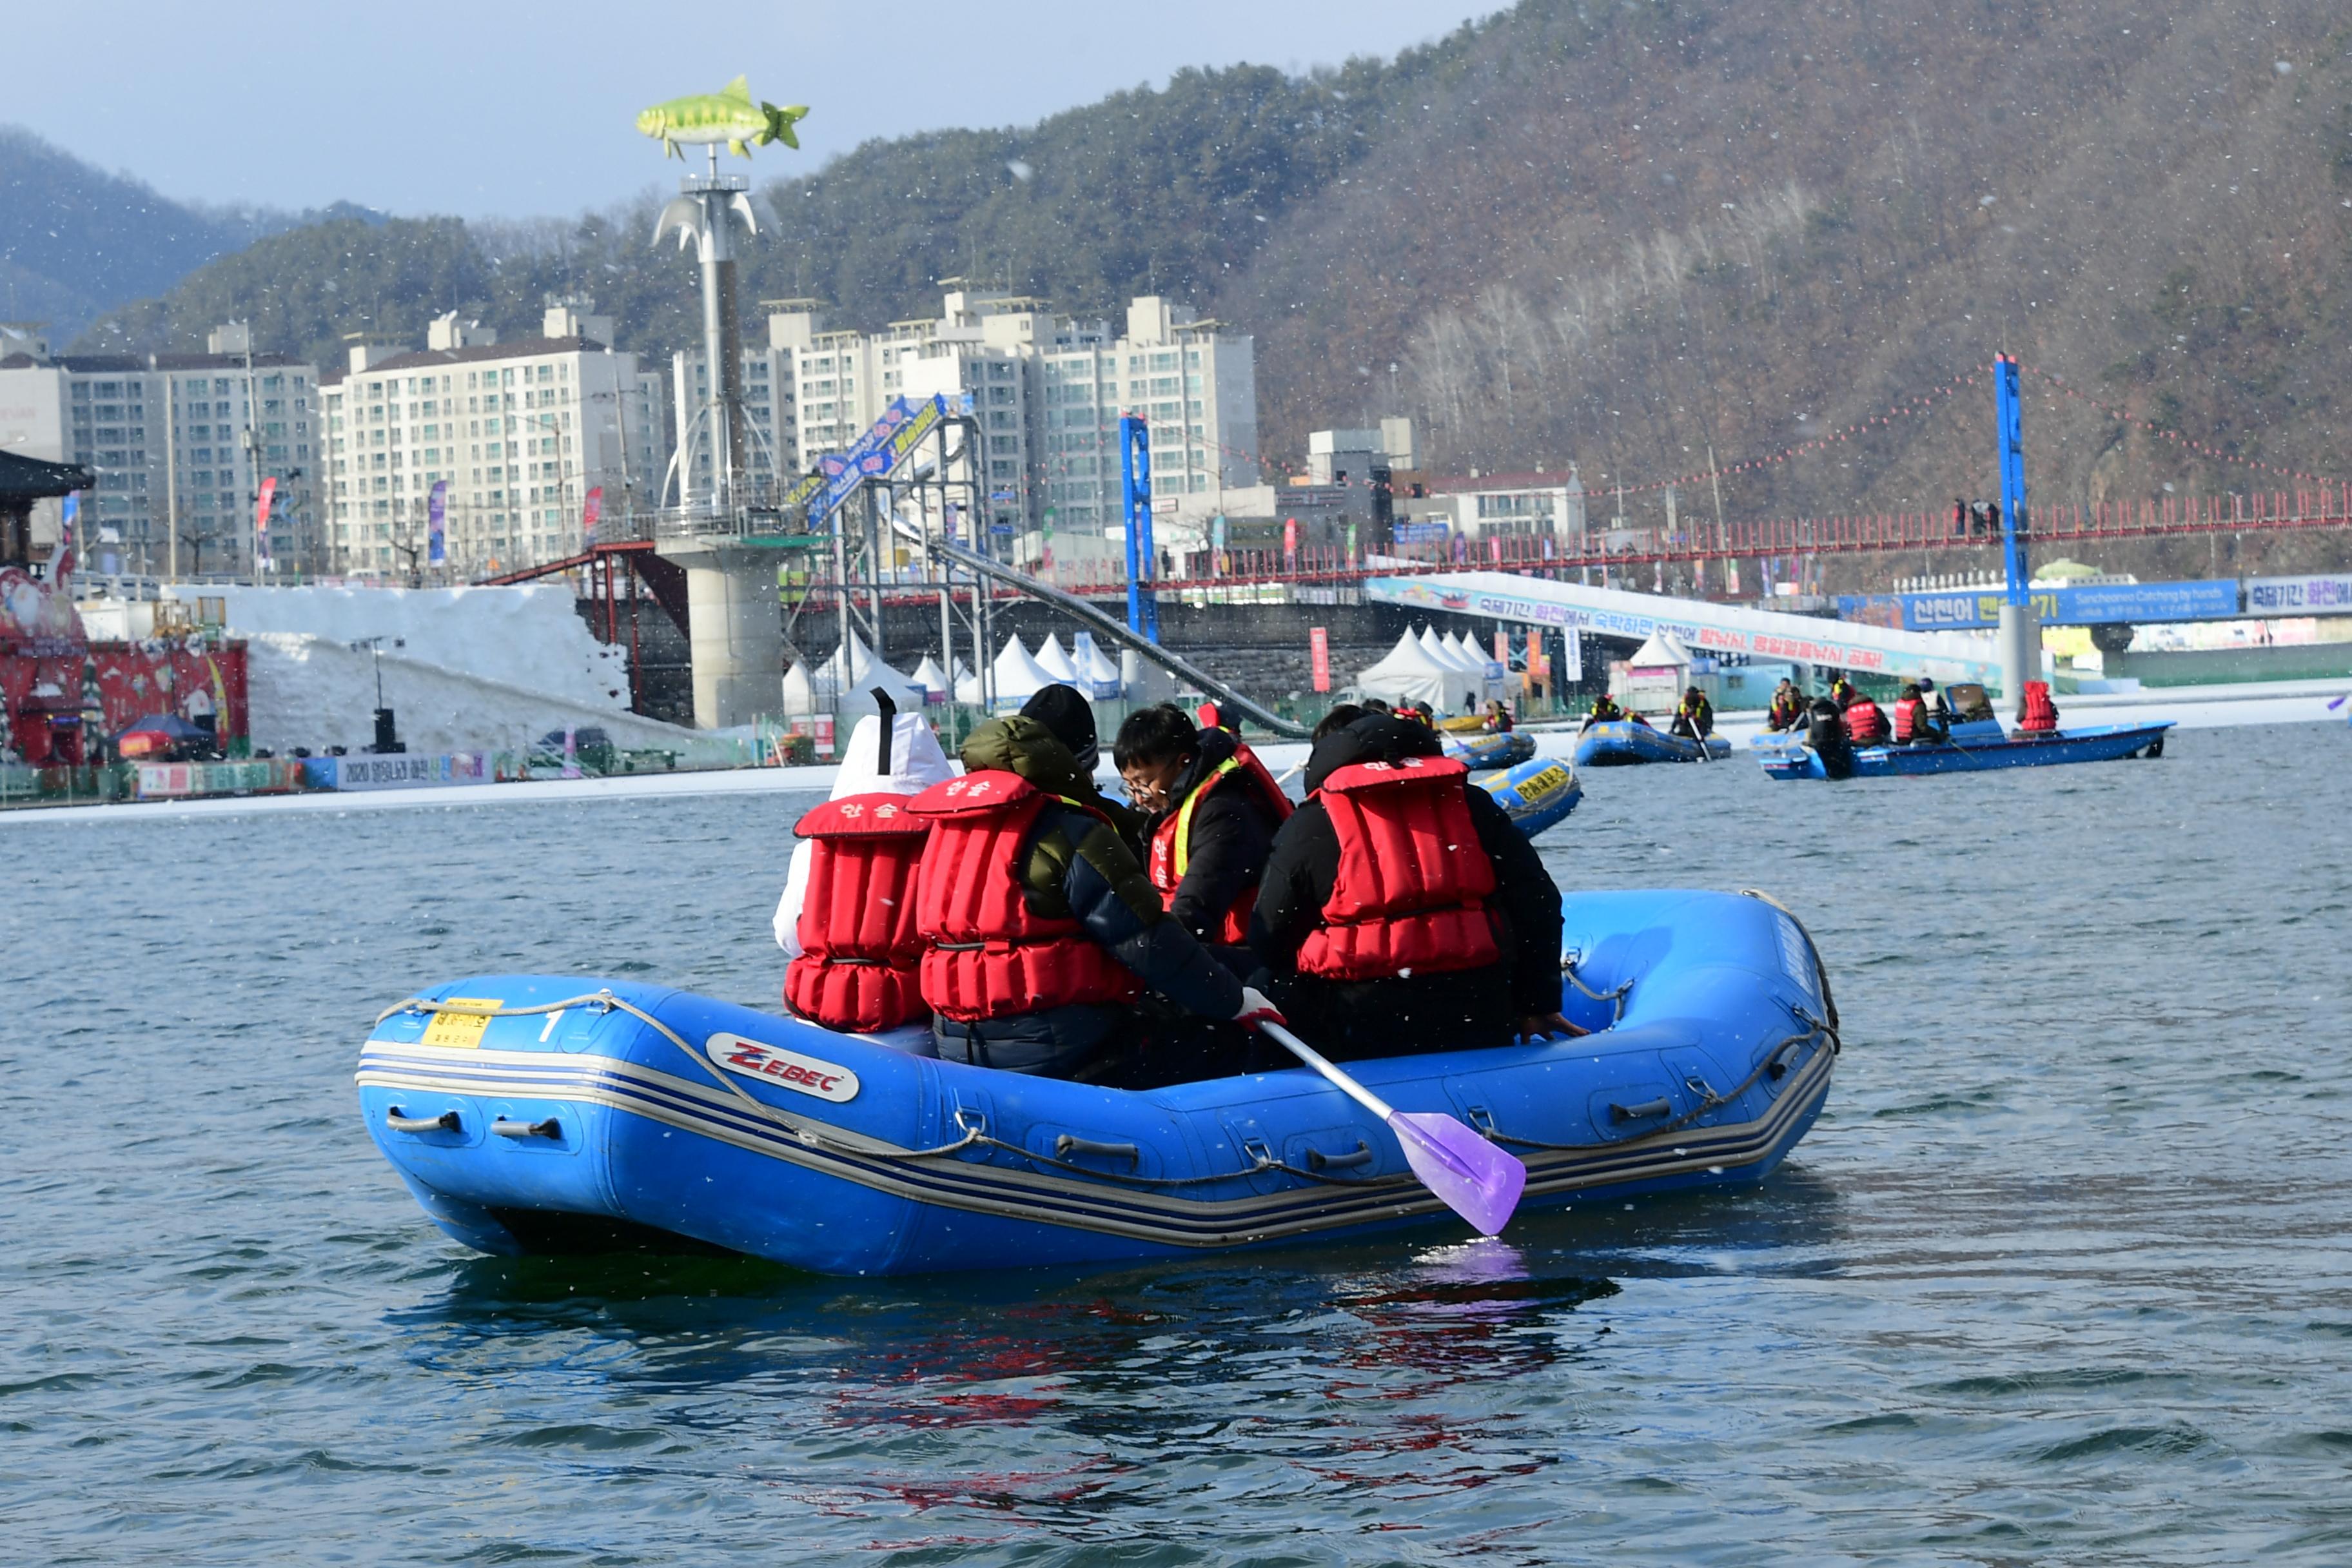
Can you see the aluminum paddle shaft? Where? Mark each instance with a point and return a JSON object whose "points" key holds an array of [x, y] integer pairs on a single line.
{"points": [[1475, 1179]]}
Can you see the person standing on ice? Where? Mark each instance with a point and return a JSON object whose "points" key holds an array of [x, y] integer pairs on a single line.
{"points": [[847, 916], [1041, 930], [1401, 911]]}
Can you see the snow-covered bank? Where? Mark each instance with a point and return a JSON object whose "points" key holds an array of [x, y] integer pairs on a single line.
{"points": [[318, 691], [530, 638]]}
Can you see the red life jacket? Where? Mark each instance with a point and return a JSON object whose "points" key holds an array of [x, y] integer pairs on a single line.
{"points": [[1910, 718], [986, 953], [2041, 715], [1172, 841], [1865, 723], [1410, 895], [860, 960]]}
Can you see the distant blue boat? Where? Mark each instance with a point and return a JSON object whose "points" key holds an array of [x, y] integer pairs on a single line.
{"points": [[1621, 742], [1975, 745], [1537, 793], [1477, 751], [551, 1114]]}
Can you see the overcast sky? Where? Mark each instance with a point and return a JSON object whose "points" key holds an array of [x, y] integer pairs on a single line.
{"points": [[438, 106]]}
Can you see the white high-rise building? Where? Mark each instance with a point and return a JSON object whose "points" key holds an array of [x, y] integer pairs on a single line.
{"points": [[188, 434], [520, 431], [1047, 391]]}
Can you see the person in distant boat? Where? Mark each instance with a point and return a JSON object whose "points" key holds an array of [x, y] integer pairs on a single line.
{"points": [[1041, 930], [1604, 712], [1498, 718], [1825, 733], [1401, 911], [1842, 692], [1788, 710], [1866, 722], [1424, 713], [1694, 717], [1914, 722], [847, 917], [2036, 714], [1213, 809]]}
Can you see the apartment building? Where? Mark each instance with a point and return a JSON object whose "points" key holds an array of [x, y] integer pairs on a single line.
{"points": [[1047, 391], [520, 431], [183, 436]]}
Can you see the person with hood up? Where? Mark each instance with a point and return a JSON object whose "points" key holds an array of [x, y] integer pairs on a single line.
{"points": [[1041, 930], [1213, 809], [1694, 716], [847, 917], [1401, 911]]}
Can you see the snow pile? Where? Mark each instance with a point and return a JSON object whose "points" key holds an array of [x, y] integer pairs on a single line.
{"points": [[318, 692], [528, 637]]}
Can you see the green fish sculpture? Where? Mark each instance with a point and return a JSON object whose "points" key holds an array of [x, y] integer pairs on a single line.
{"points": [[728, 115]]}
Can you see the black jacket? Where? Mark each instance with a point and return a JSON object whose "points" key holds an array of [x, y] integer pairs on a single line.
{"points": [[1457, 1010], [1075, 867], [1232, 832]]}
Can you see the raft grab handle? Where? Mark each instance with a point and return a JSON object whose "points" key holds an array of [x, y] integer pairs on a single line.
{"points": [[1070, 1143], [1361, 1155], [1640, 1112], [445, 1122], [551, 1127]]}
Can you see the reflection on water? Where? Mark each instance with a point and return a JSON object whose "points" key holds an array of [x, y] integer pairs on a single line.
{"points": [[2061, 1274]]}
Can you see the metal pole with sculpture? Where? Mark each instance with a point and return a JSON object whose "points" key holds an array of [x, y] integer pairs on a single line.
{"points": [[733, 119], [735, 631]]}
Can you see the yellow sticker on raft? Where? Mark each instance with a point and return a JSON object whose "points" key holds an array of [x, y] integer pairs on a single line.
{"points": [[461, 1022]]}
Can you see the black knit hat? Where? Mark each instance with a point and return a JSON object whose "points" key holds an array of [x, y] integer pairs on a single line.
{"points": [[1070, 719]]}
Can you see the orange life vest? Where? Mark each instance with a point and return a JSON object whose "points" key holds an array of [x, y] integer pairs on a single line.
{"points": [[1410, 895], [1864, 722], [986, 953], [2041, 716], [858, 971], [1172, 841]]}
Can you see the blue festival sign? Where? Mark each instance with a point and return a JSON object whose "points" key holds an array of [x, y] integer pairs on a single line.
{"points": [[2085, 604], [2328, 594]]}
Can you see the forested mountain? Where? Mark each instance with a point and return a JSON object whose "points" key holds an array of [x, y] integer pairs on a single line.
{"points": [[75, 241], [1616, 235]]}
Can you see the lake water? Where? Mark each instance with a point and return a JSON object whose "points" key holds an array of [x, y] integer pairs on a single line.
{"points": [[2062, 1276]]}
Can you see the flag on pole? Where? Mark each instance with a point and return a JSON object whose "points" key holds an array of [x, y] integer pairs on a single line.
{"points": [[261, 521], [589, 510], [436, 514]]}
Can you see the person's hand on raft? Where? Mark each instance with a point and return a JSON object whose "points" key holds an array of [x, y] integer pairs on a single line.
{"points": [[1537, 1026], [1257, 1008]]}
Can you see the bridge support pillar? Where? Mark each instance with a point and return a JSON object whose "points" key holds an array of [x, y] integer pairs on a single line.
{"points": [[734, 630], [2019, 644]]}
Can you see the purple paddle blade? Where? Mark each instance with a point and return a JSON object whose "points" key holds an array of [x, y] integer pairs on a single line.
{"points": [[1479, 1182]]}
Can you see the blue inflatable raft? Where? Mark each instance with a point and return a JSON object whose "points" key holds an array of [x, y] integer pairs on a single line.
{"points": [[1479, 751], [1620, 743], [1975, 746], [545, 1113], [1537, 793]]}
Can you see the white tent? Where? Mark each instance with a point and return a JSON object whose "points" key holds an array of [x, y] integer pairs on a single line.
{"points": [[1490, 682], [1409, 674], [1657, 674], [1466, 683], [1100, 671], [932, 679], [1017, 676], [1055, 663], [825, 689]]}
